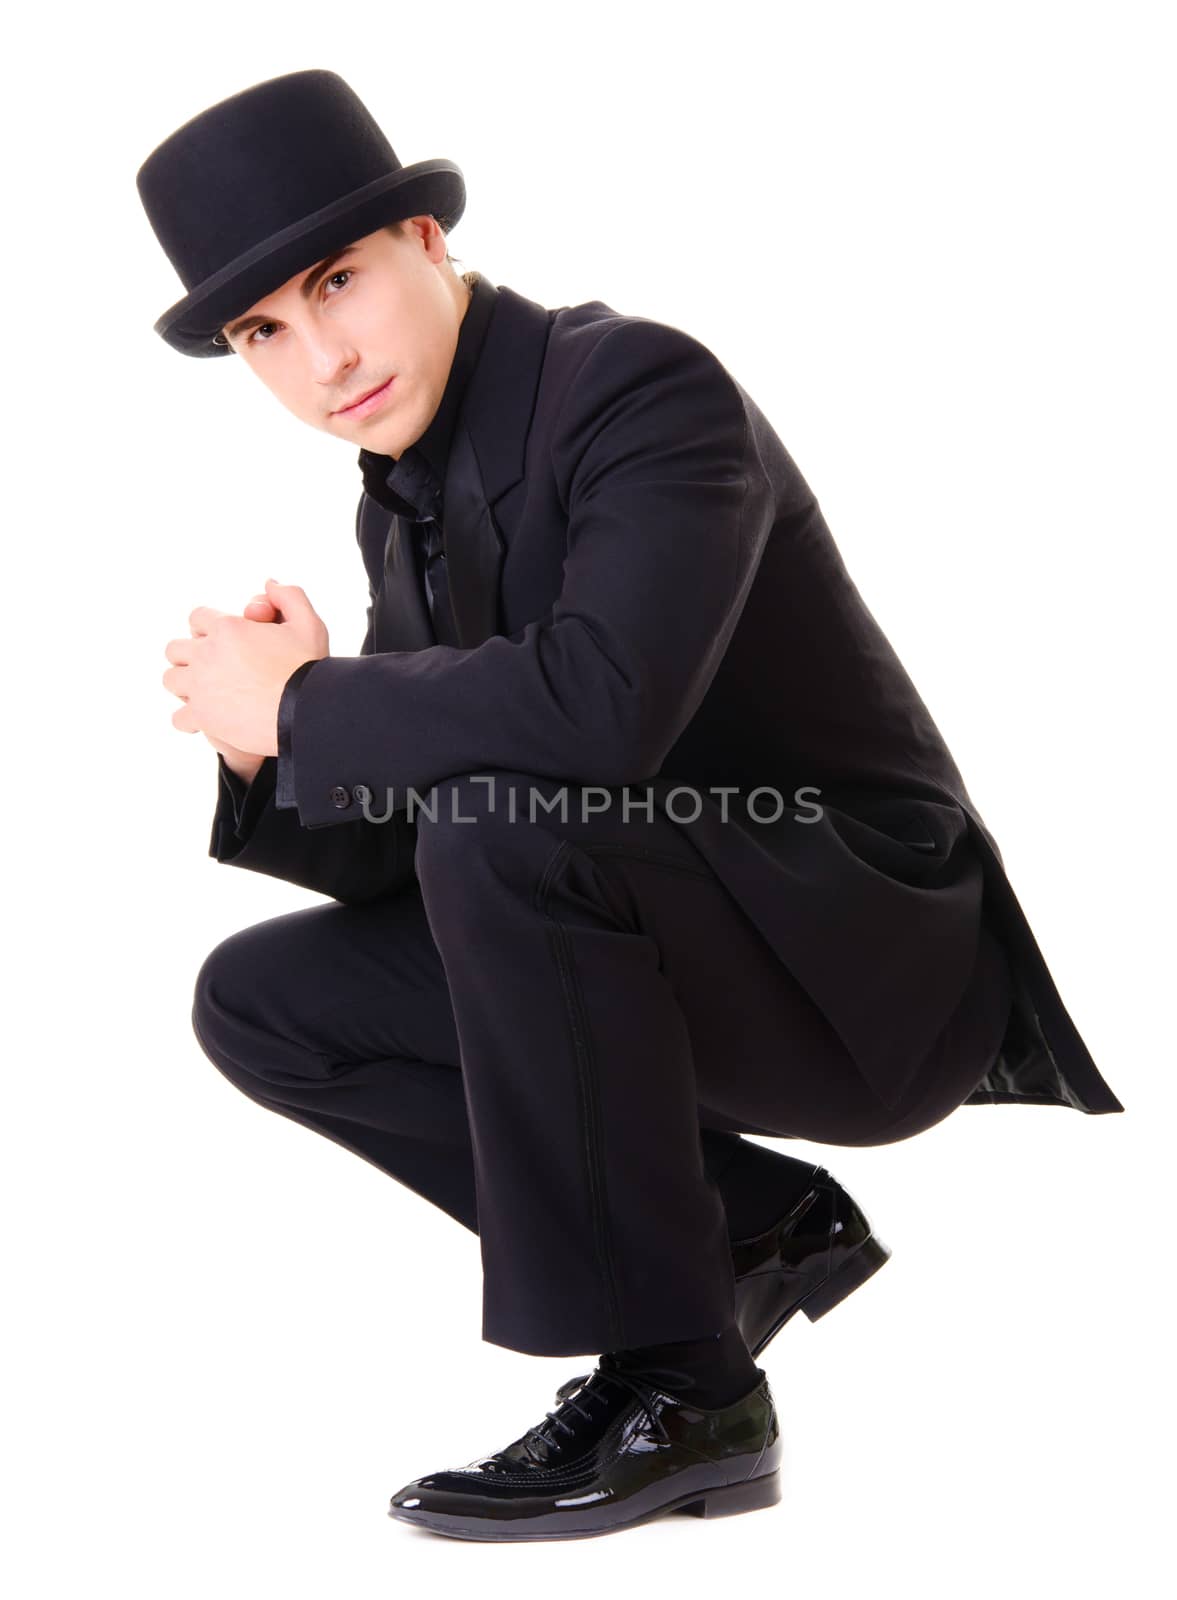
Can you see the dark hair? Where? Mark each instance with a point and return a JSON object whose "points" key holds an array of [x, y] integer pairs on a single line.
{"points": [[389, 227]]}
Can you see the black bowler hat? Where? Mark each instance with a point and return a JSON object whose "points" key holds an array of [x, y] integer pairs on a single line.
{"points": [[268, 182]]}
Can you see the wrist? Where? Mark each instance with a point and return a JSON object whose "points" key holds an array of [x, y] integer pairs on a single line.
{"points": [[245, 767]]}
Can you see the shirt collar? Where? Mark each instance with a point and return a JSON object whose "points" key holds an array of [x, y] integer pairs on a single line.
{"points": [[411, 483]]}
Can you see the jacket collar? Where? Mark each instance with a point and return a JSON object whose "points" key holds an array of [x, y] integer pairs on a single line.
{"points": [[487, 458], [501, 398]]}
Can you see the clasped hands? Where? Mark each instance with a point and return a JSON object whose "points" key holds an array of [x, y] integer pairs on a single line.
{"points": [[231, 672]]}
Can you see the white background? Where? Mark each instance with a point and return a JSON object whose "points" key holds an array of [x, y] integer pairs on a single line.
{"points": [[932, 241]]}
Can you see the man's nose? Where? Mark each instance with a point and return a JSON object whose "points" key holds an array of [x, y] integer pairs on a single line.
{"points": [[331, 359]]}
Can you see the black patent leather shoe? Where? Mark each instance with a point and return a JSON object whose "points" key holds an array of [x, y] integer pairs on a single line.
{"points": [[820, 1251], [616, 1452]]}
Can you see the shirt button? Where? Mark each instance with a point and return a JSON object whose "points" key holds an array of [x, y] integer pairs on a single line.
{"points": [[340, 797]]}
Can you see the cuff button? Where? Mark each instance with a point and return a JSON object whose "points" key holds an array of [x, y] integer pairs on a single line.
{"points": [[340, 797]]}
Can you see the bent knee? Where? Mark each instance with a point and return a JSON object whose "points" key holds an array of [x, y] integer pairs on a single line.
{"points": [[213, 996], [230, 995]]}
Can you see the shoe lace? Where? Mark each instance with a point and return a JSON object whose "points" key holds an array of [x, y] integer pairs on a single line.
{"points": [[608, 1371]]}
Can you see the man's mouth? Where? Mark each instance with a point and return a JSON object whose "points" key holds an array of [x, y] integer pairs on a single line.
{"points": [[356, 405]]}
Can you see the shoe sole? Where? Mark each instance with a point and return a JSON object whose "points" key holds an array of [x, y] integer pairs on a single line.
{"points": [[755, 1494], [871, 1254]]}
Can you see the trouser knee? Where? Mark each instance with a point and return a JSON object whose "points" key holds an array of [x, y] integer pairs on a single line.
{"points": [[229, 1018]]}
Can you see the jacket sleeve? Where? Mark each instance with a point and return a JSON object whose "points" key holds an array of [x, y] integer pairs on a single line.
{"points": [[667, 510], [360, 861]]}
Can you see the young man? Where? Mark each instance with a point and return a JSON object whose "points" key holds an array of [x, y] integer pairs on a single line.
{"points": [[641, 836]]}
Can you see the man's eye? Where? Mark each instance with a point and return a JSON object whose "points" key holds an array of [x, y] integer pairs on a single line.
{"points": [[344, 272]]}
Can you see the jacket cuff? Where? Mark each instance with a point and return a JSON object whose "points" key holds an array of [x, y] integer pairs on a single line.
{"points": [[284, 797], [327, 736], [239, 805]]}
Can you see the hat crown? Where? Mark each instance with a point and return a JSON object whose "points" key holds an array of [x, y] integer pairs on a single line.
{"points": [[245, 169]]}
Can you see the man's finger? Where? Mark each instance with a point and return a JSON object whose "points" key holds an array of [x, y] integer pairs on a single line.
{"points": [[200, 620], [175, 681], [179, 652]]}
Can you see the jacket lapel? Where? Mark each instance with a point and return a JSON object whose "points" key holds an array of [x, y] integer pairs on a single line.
{"points": [[474, 546], [486, 459]]}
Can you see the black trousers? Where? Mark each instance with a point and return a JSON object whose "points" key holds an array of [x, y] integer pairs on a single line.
{"points": [[556, 1034]]}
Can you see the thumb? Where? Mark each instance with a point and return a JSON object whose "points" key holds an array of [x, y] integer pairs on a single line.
{"points": [[290, 600]]}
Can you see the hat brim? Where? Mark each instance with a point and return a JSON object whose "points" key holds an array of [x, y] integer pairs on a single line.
{"points": [[428, 188]]}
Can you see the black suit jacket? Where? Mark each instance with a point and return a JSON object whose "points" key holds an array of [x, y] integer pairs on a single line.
{"points": [[647, 593]]}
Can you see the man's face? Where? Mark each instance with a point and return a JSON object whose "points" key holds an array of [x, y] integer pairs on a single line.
{"points": [[387, 307]]}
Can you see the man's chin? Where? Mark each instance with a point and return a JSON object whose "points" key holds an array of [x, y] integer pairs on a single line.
{"points": [[381, 442]]}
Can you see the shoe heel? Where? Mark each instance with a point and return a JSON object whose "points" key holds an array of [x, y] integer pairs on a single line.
{"points": [[753, 1495], [853, 1272]]}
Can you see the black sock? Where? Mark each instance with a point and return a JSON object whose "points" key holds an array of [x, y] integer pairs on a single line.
{"points": [[758, 1186], [712, 1372]]}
